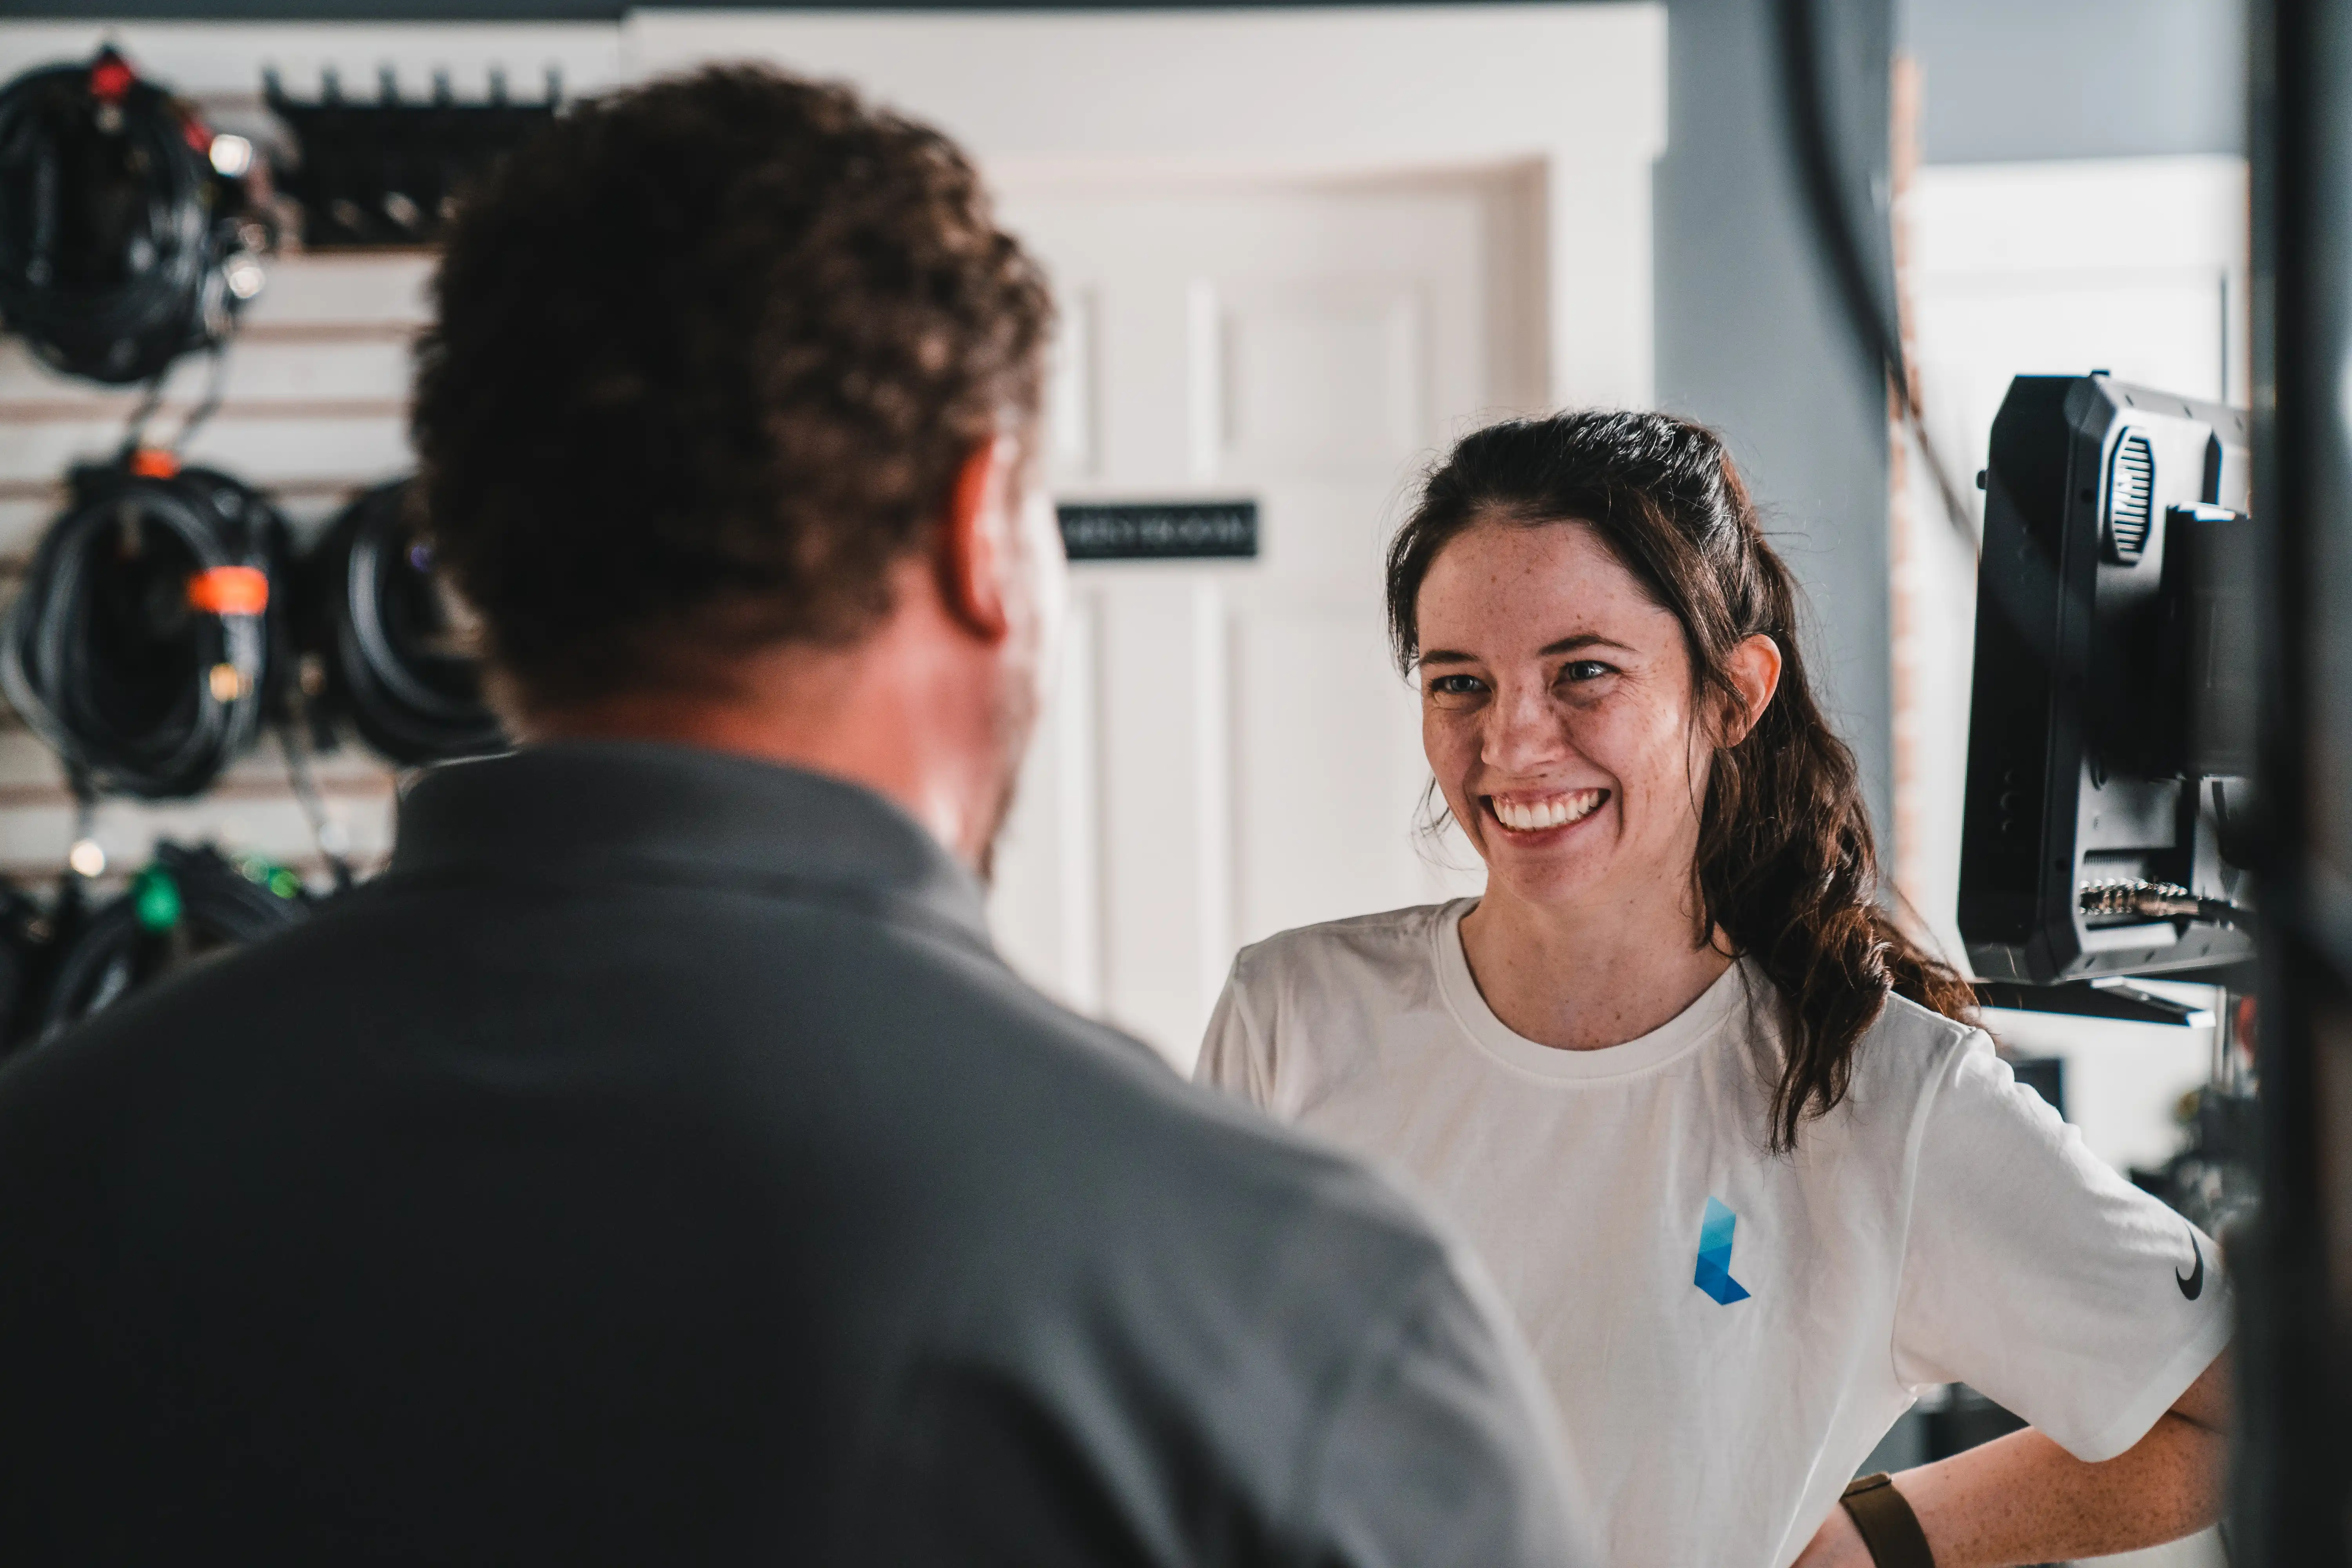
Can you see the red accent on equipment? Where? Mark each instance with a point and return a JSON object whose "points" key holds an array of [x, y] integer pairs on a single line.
{"points": [[153, 463], [111, 78], [229, 591]]}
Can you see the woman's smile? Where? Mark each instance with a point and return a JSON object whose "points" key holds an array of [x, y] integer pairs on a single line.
{"points": [[1533, 817]]}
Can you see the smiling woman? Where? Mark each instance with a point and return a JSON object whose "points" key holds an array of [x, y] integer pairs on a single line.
{"points": [[1725, 1136], [1738, 807]]}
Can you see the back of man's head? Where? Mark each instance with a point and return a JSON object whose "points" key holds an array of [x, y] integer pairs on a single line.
{"points": [[710, 355]]}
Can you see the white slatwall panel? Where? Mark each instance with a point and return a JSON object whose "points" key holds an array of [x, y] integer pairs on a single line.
{"points": [[314, 407]]}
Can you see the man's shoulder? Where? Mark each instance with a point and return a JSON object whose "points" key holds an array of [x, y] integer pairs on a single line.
{"points": [[920, 1036]]}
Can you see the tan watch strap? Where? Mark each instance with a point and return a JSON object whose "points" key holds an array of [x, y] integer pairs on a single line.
{"points": [[1887, 1523]]}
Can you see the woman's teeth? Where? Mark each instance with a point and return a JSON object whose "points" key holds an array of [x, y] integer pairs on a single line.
{"points": [[1550, 811]]}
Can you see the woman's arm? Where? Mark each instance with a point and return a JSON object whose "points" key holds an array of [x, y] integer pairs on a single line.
{"points": [[2024, 1498]]}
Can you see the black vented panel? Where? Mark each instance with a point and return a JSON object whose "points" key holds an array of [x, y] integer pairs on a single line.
{"points": [[2131, 497]]}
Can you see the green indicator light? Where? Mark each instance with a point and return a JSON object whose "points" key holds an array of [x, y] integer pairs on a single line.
{"points": [[156, 899], [285, 883]]}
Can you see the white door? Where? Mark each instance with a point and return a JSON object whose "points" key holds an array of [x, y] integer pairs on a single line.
{"points": [[1231, 752]]}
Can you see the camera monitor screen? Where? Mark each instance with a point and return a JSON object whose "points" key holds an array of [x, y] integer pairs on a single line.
{"points": [[2111, 726]]}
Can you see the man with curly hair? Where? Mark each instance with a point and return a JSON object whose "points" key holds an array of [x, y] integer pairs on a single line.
{"points": [[657, 1164]]}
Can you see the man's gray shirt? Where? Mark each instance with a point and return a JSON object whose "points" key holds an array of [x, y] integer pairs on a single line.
{"points": [[657, 1165]]}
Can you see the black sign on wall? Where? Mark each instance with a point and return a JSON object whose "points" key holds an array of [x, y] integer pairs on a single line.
{"points": [[1159, 530]]}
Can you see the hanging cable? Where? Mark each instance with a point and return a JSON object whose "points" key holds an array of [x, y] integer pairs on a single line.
{"points": [[120, 246], [1864, 285], [326, 834], [394, 661], [188, 902], [140, 646]]}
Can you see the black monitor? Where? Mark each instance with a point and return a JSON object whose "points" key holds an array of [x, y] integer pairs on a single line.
{"points": [[2111, 725]]}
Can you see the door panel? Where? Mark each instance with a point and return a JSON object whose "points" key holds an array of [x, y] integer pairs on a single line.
{"points": [[1320, 382]]}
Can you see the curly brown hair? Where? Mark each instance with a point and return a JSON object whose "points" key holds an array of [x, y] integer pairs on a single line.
{"points": [[707, 355], [1786, 866]]}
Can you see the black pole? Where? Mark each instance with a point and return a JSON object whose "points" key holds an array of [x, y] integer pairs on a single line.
{"points": [[2290, 1503]]}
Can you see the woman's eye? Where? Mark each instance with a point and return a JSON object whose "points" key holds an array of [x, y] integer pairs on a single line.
{"points": [[1583, 669], [1455, 686]]}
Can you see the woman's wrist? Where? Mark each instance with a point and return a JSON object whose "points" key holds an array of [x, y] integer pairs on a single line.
{"points": [[1881, 1516]]}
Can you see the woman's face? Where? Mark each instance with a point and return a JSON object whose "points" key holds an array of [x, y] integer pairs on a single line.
{"points": [[1557, 711]]}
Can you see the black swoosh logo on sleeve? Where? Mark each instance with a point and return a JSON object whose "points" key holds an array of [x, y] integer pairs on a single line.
{"points": [[2193, 1285]]}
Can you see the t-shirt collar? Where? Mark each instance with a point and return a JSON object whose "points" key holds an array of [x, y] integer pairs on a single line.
{"points": [[1716, 1006]]}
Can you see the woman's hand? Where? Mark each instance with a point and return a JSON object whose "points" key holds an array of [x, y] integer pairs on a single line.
{"points": [[2022, 1498]]}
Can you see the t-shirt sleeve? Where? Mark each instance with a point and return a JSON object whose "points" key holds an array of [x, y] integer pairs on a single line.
{"points": [[2036, 1275], [1234, 1057], [1441, 1449]]}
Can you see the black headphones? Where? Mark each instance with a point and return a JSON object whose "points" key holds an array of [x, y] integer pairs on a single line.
{"points": [[118, 250]]}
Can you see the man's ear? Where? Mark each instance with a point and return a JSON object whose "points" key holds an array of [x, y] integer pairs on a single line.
{"points": [[977, 551], [1754, 667]]}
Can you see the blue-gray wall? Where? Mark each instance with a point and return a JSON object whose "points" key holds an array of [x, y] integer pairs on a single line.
{"points": [[2011, 80], [1751, 338]]}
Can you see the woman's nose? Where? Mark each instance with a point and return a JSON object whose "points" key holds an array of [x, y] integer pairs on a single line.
{"points": [[1521, 733]]}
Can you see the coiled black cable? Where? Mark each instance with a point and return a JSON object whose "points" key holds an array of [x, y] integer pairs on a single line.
{"points": [[25, 956], [189, 901], [375, 617], [142, 645], [115, 241]]}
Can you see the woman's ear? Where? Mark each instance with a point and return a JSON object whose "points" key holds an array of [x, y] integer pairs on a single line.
{"points": [[1754, 667]]}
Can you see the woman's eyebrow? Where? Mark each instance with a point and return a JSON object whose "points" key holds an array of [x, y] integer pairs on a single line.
{"points": [[1575, 643], [1582, 640]]}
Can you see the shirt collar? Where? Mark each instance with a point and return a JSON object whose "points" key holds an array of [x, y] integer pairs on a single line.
{"points": [[679, 813], [1716, 1007]]}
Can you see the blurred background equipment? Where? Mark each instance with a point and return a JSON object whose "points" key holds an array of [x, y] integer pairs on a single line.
{"points": [[2109, 812], [188, 902], [144, 643], [388, 172], [378, 640], [121, 242]]}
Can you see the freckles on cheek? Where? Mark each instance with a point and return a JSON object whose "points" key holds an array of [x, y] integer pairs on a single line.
{"points": [[1643, 746], [1449, 749]]}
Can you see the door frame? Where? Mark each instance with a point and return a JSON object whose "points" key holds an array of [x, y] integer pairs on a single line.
{"points": [[1577, 92]]}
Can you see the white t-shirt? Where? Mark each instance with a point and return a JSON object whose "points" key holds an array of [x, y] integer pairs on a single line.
{"points": [[1941, 1226]]}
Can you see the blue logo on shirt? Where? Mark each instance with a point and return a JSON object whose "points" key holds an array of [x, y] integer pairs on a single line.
{"points": [[1714, 1275]]}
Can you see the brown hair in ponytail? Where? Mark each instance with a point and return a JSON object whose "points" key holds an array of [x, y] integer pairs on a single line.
{"points": [[1785, 867]]}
